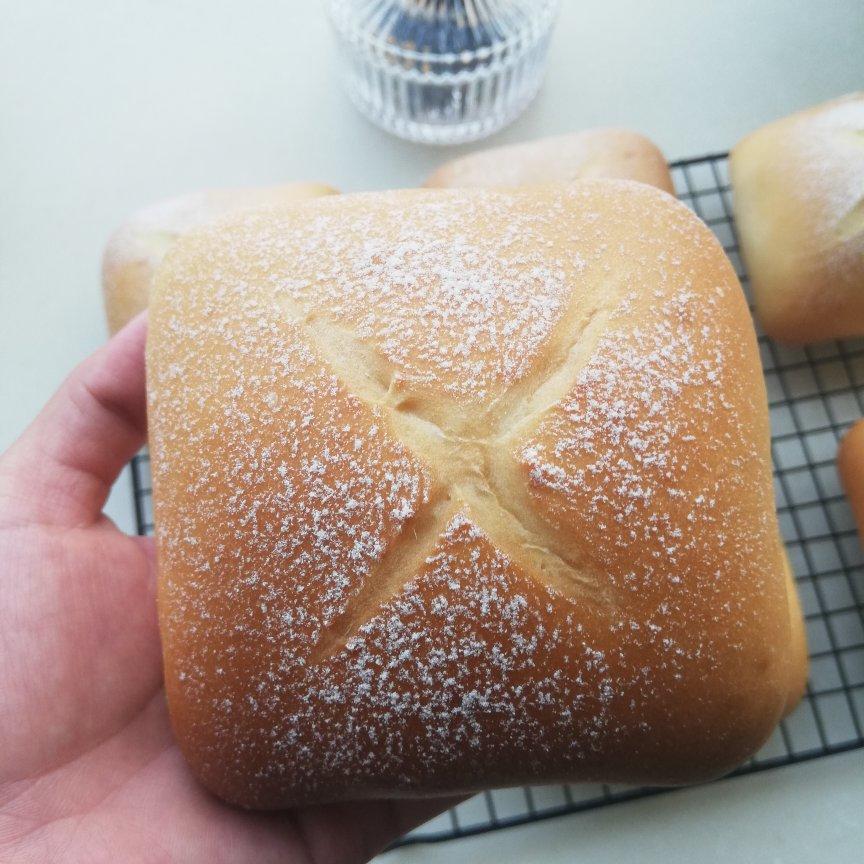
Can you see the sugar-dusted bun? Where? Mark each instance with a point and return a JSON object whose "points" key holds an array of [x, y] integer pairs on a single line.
{"points": [[799, 205], [136, 248], [614, 153], [457, 489]]}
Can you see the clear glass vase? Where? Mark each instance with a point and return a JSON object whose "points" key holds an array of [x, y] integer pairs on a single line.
{"points": [[443, 71]]}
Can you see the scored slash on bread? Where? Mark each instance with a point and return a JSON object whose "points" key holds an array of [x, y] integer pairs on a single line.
{"points": [[463, 489]]}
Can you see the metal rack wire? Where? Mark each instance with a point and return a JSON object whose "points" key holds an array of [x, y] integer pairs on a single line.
{"points": [[814, 393]]}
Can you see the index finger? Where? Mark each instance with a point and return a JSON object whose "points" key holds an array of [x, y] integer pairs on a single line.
{"points": [[61, 469]]}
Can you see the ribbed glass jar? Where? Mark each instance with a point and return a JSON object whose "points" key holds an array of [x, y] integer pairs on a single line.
{"points": [[443, 71]]}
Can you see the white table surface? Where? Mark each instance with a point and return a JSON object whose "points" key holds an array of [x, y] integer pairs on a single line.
{"points": [[107, 106]]}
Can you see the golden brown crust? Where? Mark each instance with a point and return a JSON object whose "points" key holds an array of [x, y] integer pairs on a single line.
{"points": [[614, 153], [799, 661], [134, 251], [798, 185], [850, 465], [463, 489]]}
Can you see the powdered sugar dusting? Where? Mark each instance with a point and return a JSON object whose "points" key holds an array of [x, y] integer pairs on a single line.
{"points": [[799, 206], [632, 457], [830, 176], [309, 487], [482, 651], [280, 496], [449, 307], [473, 667]]}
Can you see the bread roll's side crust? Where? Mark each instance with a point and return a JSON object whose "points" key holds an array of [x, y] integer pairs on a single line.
{"points": [[611, 153], [799, 661], [850, 465], [463, 489], [134, 251], [798, 188]]}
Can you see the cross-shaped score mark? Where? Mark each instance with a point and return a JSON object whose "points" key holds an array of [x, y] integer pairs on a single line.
{"points": [[469, 457]]}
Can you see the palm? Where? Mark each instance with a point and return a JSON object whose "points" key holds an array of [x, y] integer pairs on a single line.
{"points": [[89, 770]]}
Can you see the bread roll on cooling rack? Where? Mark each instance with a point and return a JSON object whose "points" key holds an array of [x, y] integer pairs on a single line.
{"points": [[461, 489], [136, 248], [615, 153], [798, 657], [850, 466], [799, 206]]}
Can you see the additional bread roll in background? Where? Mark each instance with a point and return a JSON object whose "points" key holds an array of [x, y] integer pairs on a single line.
{"points": [[458, 489], [798, 188], [850, 466], [136, 248], [615, 153], [799, 660]]}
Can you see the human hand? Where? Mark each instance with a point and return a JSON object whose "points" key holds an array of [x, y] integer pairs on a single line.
{"points": [[89, 771]]}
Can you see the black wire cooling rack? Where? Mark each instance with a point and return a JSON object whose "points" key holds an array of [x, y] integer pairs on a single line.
{"points": [[814, 394]]}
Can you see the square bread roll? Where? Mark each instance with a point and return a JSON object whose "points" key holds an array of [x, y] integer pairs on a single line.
{"points": [[798, 188], [463, 489], [135, 249], [616, 153]]}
